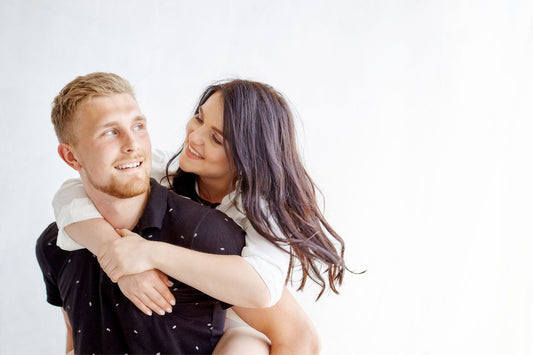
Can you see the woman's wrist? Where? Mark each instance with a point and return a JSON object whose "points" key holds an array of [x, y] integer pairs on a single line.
{"points": [[154, 253]]}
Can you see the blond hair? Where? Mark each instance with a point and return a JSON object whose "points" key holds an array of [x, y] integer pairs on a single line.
{"points": [[79, 91]]}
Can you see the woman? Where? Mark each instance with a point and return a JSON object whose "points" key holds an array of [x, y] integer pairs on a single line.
{"points": [[240, 157]]}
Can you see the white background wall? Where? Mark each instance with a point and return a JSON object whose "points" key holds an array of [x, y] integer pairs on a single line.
{"points": [[415, 121]]}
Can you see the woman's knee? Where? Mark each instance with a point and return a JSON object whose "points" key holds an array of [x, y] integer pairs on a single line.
{"points": [[242, 341]]}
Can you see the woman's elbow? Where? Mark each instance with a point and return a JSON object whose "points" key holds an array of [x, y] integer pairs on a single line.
{"points": [[258, 296]]}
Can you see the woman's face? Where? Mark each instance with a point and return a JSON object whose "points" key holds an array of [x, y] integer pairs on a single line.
{"points": [[203, 152]]}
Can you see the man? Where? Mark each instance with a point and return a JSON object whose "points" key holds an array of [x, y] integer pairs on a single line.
{"points": [[102, 135]]}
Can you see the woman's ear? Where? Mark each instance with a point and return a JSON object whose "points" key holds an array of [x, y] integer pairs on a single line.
{"points": [[66, 153]]}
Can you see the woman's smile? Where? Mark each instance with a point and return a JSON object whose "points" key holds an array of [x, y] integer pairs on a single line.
{"points": [[192, 153]]}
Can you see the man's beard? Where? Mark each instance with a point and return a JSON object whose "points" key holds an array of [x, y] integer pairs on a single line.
{"points": [[117, 189]]}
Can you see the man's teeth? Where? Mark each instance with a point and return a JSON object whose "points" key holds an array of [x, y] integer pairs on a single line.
{"points": [[128, 166], [194, 152]]}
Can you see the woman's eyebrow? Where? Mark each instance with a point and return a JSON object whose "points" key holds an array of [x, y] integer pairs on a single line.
{"points": [[201, 111], [217, 130]]}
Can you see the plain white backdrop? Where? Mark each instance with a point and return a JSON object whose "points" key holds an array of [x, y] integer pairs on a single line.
{"points": [[414, 118]]}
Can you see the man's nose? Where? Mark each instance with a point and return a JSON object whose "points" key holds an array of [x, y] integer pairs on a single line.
{"points": [[129, 143]]}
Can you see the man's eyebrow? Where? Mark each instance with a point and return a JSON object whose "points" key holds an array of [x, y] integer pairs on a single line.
{"points": [[139, 118]]}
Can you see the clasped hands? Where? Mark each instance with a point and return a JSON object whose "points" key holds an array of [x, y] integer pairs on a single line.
{"points": [[125, 256], [127, 261]]}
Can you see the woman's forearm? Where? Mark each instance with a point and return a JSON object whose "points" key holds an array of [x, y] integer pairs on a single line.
{"points": [[228, 278], [93, 234]]}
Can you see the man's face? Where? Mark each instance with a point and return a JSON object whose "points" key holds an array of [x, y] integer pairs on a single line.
{"points": [[113, 147]]}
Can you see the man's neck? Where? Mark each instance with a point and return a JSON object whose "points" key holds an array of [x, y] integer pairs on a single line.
{"points": [[119, 212]]}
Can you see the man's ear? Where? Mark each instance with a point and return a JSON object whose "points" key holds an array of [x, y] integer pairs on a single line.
{"points": [[66, 153]]}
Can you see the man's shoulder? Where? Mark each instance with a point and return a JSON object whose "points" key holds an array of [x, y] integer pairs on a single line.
{"points": [[192, 207], [48, 236], [209, 222], [187, 205], [46, 249]]}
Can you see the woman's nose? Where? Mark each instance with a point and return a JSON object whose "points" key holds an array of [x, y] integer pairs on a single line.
{"points": [[195, 135]]}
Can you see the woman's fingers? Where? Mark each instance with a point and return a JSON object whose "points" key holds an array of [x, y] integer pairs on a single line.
{"points": [[142, 307], [163, 288], [151, 301], [148, 291], [164, 278], [161, 302]]}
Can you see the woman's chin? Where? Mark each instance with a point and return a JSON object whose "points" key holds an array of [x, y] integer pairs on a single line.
{"points": [[185, 164]]}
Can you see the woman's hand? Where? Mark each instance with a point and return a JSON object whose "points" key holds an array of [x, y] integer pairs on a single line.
{"points": [[125, 256], [148, 291]]}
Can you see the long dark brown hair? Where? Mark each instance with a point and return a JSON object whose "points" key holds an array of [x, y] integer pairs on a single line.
{"points": [[259, 138]]}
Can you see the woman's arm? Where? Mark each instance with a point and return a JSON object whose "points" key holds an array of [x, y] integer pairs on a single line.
{"points": [[92, 234], [73, 209], [228, 278], [270, 261], [77, 216], [256, 280]]}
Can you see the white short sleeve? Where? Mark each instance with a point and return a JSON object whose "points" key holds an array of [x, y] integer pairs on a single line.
{"points": [[160, 159], [71, 204], [270, 262]]}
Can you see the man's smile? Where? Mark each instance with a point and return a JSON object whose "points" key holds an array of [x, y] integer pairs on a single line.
{"points": [[128, 165]]}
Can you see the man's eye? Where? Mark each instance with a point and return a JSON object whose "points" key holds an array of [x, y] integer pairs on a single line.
{"points": [[111, 132], [138, 127]]}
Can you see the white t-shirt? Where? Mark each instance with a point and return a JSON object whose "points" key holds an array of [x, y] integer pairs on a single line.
{"points": [[71, 204]]}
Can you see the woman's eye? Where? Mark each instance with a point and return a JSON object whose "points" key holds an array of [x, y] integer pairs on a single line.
{"points": [[198, 118], [216, 140]]}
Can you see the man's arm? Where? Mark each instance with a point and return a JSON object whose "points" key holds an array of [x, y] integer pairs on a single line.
{"points": [[286, 325], [70, 342]]}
